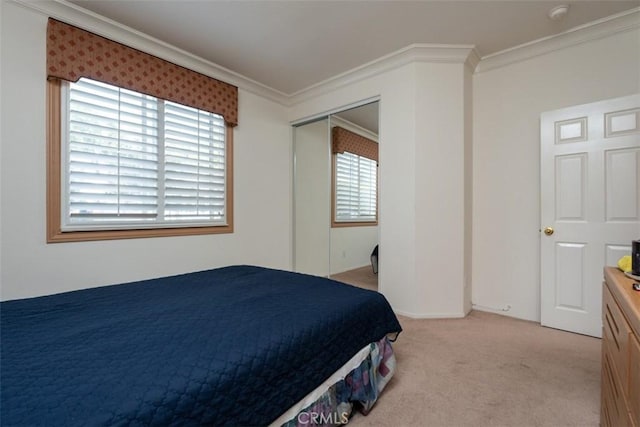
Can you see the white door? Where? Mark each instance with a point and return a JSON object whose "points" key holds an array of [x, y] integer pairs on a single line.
{"points": [[590, 198]]}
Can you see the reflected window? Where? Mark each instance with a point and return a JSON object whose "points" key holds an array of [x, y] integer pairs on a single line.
{"points": [[354, 179]]}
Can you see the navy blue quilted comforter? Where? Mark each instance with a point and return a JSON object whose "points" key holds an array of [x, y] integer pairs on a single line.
{"points": [[232, 346]]}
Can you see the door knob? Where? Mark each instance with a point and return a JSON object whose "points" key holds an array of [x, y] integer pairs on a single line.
{"points": [[548, 231]]}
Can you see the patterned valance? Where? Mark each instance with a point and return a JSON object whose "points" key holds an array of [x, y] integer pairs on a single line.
{"points": [[343, 140], [73, 53]]}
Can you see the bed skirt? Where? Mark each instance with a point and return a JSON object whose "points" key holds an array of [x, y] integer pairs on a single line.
{"points": [[356, 385]]}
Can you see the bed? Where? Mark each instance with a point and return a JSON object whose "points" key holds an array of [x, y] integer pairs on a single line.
{"points": [[239, 345]]}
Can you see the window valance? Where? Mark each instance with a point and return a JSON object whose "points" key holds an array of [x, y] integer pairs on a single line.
{"points": [[344, 140], [73, 53]]}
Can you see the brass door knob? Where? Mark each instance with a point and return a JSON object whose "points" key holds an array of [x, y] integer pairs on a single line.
{"points": [[548, 231]]}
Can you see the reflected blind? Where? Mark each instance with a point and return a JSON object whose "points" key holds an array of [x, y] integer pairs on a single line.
{"points": [[356, 187], [134, 159]]}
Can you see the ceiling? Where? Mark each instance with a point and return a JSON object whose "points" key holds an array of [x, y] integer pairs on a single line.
{"points": [[365, 116], [292, 45]]}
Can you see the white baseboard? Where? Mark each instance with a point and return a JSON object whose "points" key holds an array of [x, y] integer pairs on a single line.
{"points": [[456, 315]]}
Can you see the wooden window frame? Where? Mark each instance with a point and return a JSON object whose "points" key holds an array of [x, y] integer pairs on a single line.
{"points": [[54, 190]]}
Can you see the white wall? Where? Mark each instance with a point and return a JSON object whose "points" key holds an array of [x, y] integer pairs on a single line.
{"points": [[507, 103], [440, 189], [413, 100], [1, 121], [468, 187], [351, 247], [30, 267]]}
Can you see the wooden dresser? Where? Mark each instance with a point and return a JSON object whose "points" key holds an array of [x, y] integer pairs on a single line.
{"points": [[620, 351]]}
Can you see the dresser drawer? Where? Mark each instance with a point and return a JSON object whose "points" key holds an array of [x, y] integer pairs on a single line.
{"points": [[616, 333], [620, 351], [614, 412], [634, 380]]}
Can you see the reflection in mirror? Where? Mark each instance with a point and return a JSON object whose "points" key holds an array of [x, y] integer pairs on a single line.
{"points": [[335, 196], [311, 198], [354, 196]]}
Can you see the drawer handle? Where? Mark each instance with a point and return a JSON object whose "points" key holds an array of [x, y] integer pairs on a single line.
{"points": [[613, 335], [613, 319]]}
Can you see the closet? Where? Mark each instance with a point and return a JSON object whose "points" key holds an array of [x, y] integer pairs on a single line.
{"points": [[322, 245]]}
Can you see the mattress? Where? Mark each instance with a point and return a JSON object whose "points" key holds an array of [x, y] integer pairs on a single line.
{"points": [[232, 346]]}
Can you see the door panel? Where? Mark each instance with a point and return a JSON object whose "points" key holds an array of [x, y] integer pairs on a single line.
{"points": [[571, 177], [570, 276], [622, 184], [590, 183], [622, 122]]}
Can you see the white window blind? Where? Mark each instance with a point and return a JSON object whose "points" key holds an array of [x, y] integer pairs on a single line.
{"points": [[135, 161], [194, 164], [356, 188]]}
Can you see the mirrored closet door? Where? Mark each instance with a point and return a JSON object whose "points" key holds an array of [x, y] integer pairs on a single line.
{"points": [[311, 198], [336, 196]]}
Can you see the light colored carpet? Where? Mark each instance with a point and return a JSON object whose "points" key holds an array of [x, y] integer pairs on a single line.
{"points": [[362, 277], [489, 370]]}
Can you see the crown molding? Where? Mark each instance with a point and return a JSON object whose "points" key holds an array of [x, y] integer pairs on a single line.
{"points": [[473, 60], [601, 28], [435, 53], [105, 27]]}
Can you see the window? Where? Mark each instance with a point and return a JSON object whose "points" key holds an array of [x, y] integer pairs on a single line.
{"points": [[354, 179], [132, 165], [137, 146], [355, 190]]}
